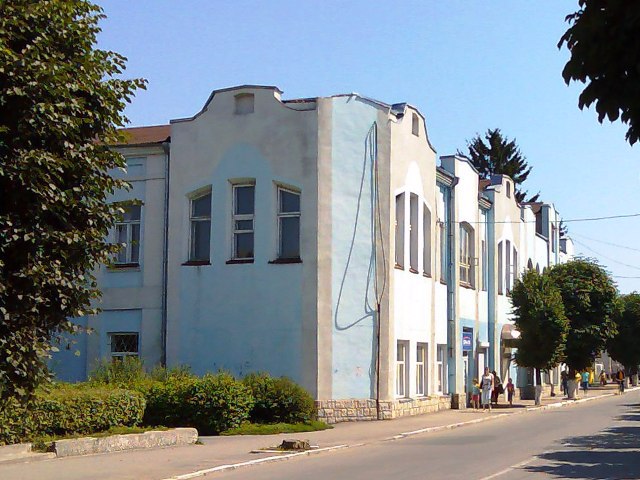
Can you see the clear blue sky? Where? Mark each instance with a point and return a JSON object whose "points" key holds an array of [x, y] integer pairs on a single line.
{"points": [[467, 65]]}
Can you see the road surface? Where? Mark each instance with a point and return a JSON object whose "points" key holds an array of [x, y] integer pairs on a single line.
{"points": [[595, 440]]}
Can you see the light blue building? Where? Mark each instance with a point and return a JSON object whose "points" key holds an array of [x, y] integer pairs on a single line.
{"points": [[318, 239]]}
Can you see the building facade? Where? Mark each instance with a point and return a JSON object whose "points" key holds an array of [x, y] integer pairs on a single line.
{"points": [[318, 239]]}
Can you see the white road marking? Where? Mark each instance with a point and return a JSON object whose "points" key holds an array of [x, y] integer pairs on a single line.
{"points": [[509, 469], [233, 466]]}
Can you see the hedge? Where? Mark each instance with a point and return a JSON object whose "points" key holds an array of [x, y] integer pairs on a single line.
{"points": [[279, 400], [70, 410], [212, 404]]}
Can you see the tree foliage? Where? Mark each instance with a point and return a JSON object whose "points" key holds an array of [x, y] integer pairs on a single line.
{"points": [[500, 156], [539, 317], [589, 297], [604, 42], [624, 346], [61, 101]]}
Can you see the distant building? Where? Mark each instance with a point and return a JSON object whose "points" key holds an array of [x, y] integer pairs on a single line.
{"points": [[318, 239]]}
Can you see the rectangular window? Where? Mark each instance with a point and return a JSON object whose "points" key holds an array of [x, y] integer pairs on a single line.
{"points": [[483, 247], [413, 232], [401, 369], [421, 369], [243, 217], [443, 251], [500, 270], [288, 224], [553, 238], [127, 234], [508, 266], [515, 265], [441, 366], [123, 344], [426, 240], [400, 230], [200, 219]]}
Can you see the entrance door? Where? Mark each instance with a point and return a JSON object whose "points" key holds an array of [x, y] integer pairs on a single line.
{"points": [[465, 374]]}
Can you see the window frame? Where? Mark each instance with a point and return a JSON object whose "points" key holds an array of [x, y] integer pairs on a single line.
{"points": [[415, 124], [129, 245], [442, 245], [400, 222], [426, 240], [441, 368], [120, 355], [402, 369], [196, 219], [281, 215], [500, 270], [421, 369], [239, 217], [414, 232], [466, 256], [508, 265]]}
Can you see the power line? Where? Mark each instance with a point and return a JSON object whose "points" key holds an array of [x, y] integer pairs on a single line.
{"points": [[604, 256], [622, 276], [605, 242], [570, 220]]}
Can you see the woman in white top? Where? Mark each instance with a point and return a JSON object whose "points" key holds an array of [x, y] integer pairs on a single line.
{"points": [[487, 387]]}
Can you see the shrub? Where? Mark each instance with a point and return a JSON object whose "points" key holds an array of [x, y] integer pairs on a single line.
{"points": [[211, 404], [128, 371], [68, 410], [279, 400]]}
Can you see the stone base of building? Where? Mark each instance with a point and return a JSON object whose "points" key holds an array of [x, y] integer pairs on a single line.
{"points": [[337, 411]]}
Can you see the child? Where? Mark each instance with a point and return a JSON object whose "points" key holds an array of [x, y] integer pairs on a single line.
{"points": [[475, 394], [511, 389]]}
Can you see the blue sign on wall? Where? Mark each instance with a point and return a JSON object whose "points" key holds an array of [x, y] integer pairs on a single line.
{"points": [[467, 341]]}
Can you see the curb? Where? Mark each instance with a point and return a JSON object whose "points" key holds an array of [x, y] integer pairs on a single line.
{"points": [[222, 468]]}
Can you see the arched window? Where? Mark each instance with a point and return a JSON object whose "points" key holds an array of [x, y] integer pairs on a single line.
{"points": [[415, 125], [244, 103], [426, 240], [466, 255]]}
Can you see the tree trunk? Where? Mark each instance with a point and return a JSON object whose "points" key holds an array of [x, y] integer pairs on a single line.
{"points": [[572, 387]]}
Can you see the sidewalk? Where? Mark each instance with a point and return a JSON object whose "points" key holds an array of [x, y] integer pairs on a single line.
{"points": [[221, 453]]}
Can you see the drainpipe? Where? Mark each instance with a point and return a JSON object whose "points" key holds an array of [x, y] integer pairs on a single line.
{"points": [[452, 284], [166, 146]]}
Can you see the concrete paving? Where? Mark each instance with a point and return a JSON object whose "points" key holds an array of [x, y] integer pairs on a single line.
{"points": [[221, 453]]}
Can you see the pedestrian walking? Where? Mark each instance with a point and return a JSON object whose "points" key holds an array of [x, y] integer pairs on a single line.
{"points": [[564, 384], [486, 383], [585, 382], [511, 389], [498, 389], [475, 394], [620, 379]]}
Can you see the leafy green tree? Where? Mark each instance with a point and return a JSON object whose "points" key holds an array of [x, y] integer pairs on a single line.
{"points": [[605, 54], [539, 317], [500, 156], [589, 297], [624, 346], [61, 102]]}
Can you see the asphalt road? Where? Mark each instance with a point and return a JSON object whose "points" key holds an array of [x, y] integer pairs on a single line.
{"points": [[596, 440]]}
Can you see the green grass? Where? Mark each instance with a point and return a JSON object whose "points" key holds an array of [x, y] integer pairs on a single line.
{"points": [[273, 428], [45, 443]]}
